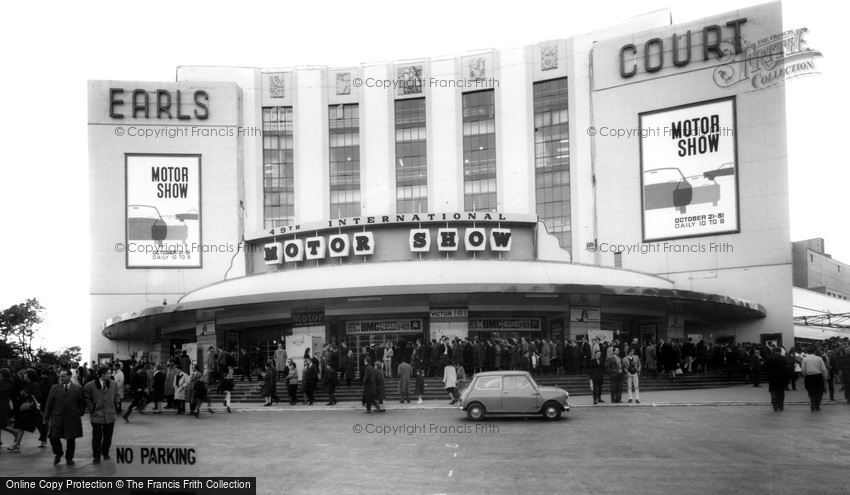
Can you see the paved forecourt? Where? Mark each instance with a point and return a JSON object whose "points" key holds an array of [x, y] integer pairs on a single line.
{"points": [[433, 448]]}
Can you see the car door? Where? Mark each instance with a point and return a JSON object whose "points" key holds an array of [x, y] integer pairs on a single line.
{"points": [[488, 391], [519, 395]]}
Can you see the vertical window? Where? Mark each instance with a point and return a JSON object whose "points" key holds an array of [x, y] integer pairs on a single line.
{"points": [[344, 133], [552, 158], [411, 156], [278, 167], [479, 151]]}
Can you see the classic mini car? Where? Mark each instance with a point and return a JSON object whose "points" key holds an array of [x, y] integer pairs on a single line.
{"points": [[512, 393], [144, 223], [666, 188], [723, 170]]}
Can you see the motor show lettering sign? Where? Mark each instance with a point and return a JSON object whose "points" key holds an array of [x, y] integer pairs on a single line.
{"points": [[163, 194], [689, 171], [363, 244]]}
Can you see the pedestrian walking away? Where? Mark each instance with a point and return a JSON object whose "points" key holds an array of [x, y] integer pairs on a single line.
{"points": [[226, 386], [815, 375], [404, 373], [776, 369], [370, 392]]}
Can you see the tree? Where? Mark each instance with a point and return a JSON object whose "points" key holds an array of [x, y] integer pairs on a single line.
{"points": [[47, 357], [18, 326], [71, 354]]}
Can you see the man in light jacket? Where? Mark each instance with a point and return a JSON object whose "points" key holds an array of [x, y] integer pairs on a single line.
{"points": [[100, 402]]}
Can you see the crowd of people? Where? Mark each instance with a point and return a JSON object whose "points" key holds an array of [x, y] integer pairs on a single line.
{"points": [[51, 400]]}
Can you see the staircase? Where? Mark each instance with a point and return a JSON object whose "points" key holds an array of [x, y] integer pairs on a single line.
{"points": [[246, 392]]}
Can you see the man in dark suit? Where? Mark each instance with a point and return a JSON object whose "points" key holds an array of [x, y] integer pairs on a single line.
{"points": [[370, 386], [615, 372], [597, 376], [418, 356], [777, 376], [311, 379], [100, 402], [65, 406]]}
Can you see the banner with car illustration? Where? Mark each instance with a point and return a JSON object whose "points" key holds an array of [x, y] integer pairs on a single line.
{"points": [[163, 211], [689, 171]]}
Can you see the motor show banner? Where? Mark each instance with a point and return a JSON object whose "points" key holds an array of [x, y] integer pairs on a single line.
{"points": [[163, 195], [689, 171]]}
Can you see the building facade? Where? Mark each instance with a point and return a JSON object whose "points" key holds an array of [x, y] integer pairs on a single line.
{"points": [[629, 183], [817, 271]]}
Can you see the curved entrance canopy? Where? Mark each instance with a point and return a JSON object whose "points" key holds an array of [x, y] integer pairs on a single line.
{"points": [[530, 287]]}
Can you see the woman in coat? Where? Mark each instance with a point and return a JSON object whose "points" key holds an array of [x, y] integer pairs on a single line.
{"points": [[388, 359], [450, 382], [269, 378], [5, 400], [194, 376], [181, 383], [292, 383], [169, 385], [227, 385], [27, 416], [158, 388]]}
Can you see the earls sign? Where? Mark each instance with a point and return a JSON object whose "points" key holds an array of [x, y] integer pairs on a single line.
{"points": [[363, 244], [161, 103]]}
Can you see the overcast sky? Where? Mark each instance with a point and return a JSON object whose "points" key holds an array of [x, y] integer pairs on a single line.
{"points": [[50, 50]]}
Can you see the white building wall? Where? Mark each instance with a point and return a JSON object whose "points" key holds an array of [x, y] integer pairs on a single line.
{"points": [[515, 107], [445, 139], [310, 133], [377, 142]]}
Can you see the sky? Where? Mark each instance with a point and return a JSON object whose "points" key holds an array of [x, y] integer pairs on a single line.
{"points": [[50, 49]]}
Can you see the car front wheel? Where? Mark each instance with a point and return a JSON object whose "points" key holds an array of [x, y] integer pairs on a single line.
{"points": [[475, 412], [552, 411]]}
